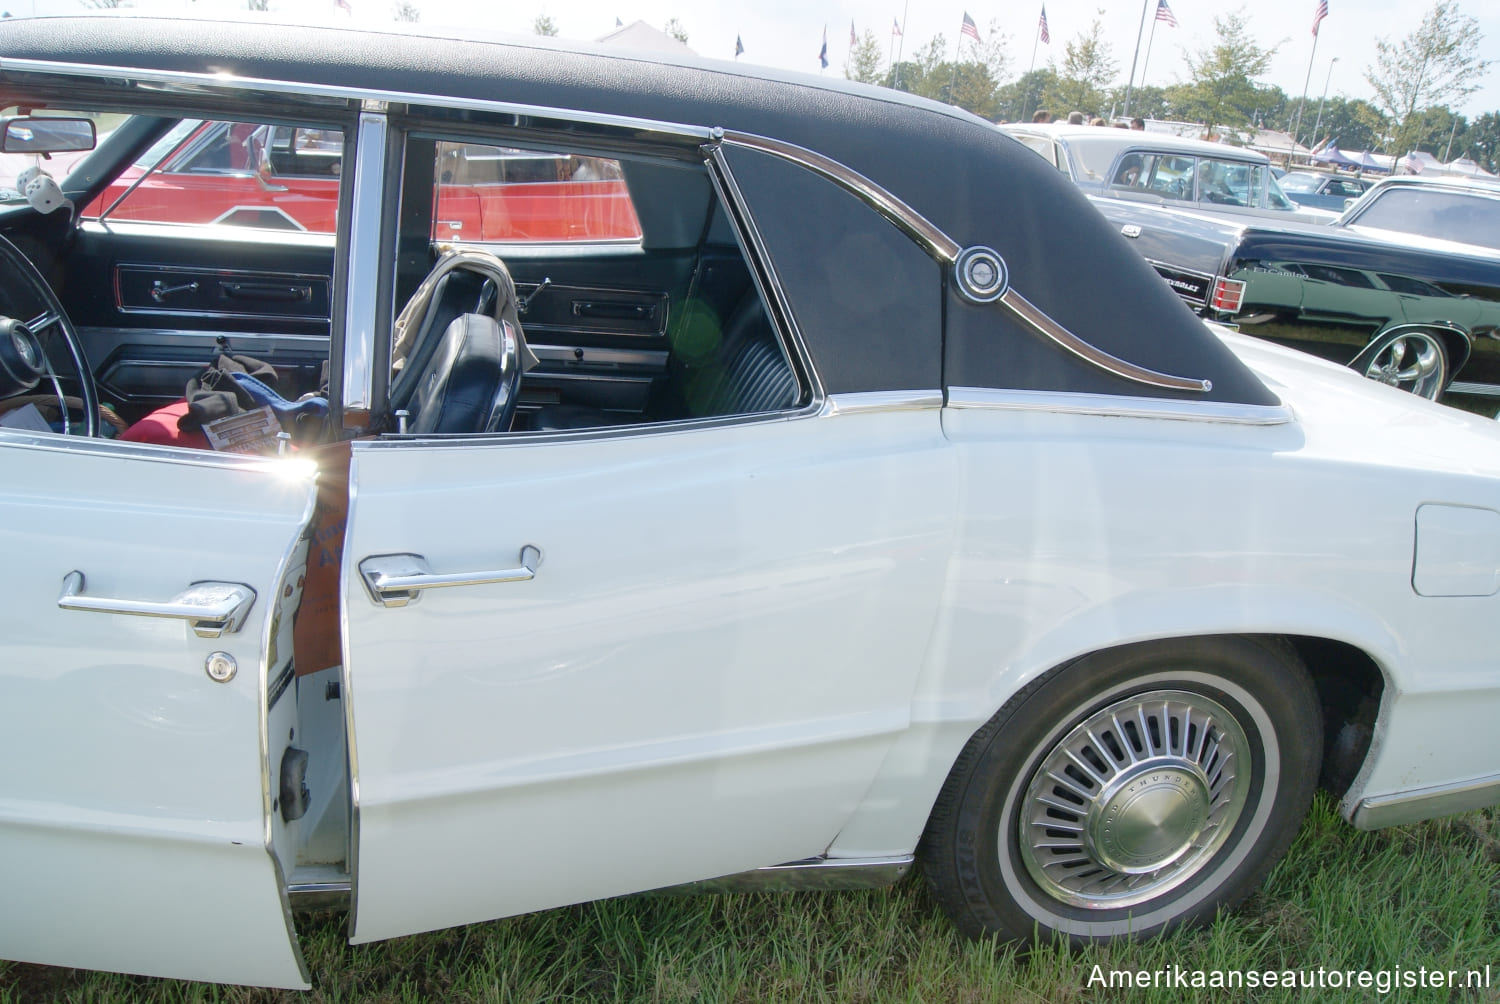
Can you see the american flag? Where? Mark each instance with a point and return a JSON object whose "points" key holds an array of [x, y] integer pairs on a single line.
{"points": [[1042, 25], [1319, 14], [853, 38], [969, 27], [1164, 13], [823, 52], [895, 27]]}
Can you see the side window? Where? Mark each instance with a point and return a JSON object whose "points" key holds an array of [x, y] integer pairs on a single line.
{"points": [[242, 174], [551, 290], [505, 194], [1171, 176]]}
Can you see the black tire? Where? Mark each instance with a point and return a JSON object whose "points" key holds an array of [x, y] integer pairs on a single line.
{"points": [[1160, 804]]}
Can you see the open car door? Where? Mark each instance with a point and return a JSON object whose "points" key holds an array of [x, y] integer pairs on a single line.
{"points": [[148, 602]]}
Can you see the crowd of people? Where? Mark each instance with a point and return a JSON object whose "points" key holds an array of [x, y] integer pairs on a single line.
{"points": [[1078, 118]]}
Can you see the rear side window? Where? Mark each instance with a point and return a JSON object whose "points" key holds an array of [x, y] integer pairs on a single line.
{"points": [[508, 195], [1449, 216]]}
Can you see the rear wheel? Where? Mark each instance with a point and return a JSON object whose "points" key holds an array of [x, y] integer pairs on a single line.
{"points": [[1133, 790], [1413, 360]]}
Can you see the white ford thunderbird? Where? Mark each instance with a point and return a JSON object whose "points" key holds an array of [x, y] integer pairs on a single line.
{"points": [[449, 479]]}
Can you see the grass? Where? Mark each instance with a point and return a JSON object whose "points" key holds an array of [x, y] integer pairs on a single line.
{"points": [[1426, 895]]}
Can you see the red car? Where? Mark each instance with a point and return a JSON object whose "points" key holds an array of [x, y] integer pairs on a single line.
{"points": [[287, 177]]}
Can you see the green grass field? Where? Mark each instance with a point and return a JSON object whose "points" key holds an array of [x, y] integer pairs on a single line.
{"points": [[1425, 895]]}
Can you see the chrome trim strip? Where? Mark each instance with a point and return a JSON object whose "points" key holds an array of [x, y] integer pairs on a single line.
{"points": [[642, 358], [55, 443], [364, 264], [1047, 327], [753, 246], [1109, 405], [203, 232], [907, 219], [1480, 389], [808, 875], [367, 98], [308, 896], [865, 402], [1378, 811], [195, 340], [346, 686]]}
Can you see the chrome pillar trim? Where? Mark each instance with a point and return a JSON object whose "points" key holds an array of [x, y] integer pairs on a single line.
{"points": [[364, 264], [368, 98], [881, 400], [1374, 812], [754, 248], [1109, 405], [907, 219], [812, 874], [1047, 327], [212, 609], [308, 896]]}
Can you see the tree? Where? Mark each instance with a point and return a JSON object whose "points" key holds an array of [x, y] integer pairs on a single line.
{"points": [[1484, 141], [1353, 125], [1017, 100], [1222, 89], [406, 11], [1087, 68], [1437, 130], [544, 25], [1437, 63], [258, 4], [920, 73], [676, 30], [863, 64]]}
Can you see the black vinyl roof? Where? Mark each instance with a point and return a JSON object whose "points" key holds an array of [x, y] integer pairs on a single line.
{"points": [[961, 173]]}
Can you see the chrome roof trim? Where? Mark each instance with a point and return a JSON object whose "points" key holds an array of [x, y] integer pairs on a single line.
{"points": [[1046, 326], [916, 226], [56, 443], [865, 402], [362, 96], [1109, 405]]}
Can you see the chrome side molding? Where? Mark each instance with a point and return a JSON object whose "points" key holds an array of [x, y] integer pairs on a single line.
{"points": [[807, 875]]}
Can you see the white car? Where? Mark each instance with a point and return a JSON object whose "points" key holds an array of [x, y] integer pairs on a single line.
{"points": [[852, 511]]}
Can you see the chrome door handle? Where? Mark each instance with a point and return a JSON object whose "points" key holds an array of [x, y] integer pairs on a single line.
{"points": [[395, 580], [212, 609]]}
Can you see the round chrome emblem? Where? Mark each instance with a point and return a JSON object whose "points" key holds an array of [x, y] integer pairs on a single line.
{"points": [[981, 274]]}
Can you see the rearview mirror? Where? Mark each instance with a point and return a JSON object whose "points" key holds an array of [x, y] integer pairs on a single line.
{"points": [[34, 134]]}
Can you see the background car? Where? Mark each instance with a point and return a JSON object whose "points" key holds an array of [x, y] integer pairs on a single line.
{"points": [[1159, 168], [1404, 286], [1322, 190], [854, 512]]}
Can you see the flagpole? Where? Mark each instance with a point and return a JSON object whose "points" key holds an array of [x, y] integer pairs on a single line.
{"points": [[1298, 127], [900, 46], [1036, 39], [1147, 61], [1141, 30], [953, 84]]}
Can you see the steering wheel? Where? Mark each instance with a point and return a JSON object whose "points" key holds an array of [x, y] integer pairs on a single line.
{"points": [[23, 360]]}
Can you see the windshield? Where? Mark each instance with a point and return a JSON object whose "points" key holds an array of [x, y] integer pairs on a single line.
{"points": [[1464, 217], [58, 164], [1299, 182]]}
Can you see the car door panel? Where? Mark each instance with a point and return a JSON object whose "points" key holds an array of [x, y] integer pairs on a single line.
{"points": [[717, 635], [154, 301], [127, 770]]}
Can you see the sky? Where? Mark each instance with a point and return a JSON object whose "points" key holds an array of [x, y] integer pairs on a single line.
{"points": [[787, 34]]}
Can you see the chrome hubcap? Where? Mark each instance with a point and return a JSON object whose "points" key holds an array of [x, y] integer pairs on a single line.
{"points": [[1412, 362], [1134, 800]]}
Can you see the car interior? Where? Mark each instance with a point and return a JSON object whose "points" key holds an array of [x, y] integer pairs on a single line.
{"points": [[559, 288]]}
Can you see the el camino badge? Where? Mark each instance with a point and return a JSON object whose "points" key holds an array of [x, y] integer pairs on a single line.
{"points": [[1130, 230]]}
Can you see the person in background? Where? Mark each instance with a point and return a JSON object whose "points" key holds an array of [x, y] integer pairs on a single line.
{"points": [[1138, 124], [1041, 115], [1076, 118]]}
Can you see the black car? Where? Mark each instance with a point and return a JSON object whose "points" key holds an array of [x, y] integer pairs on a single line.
{"points": [[1404, 286]]}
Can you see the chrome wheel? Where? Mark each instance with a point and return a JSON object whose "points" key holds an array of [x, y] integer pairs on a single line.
{"points": [[1134, 800], [1414, 361]]}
